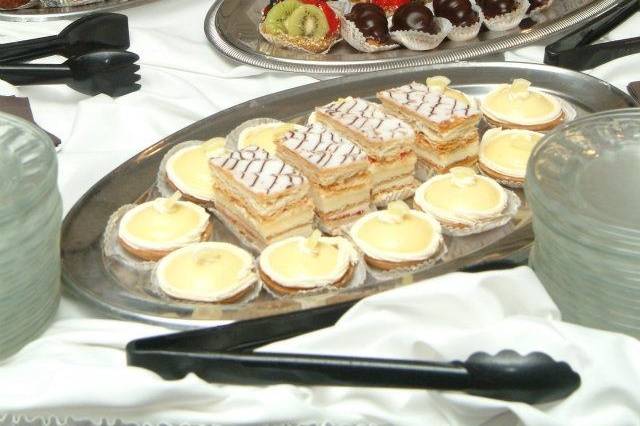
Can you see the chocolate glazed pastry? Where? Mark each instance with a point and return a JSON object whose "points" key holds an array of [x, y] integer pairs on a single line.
{"points": [[414, 17], [493, 8], [371, 21], [458, 12]]}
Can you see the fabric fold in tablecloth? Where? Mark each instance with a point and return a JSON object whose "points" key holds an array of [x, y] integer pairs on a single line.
{"points": [[78, 367]]}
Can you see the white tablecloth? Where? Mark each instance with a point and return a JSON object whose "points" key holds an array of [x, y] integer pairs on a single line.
{"points": [[78, 369]]}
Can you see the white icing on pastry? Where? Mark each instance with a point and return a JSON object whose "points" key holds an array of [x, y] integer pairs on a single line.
{"points": [[367, 118], [323, 148], [260, 171]]}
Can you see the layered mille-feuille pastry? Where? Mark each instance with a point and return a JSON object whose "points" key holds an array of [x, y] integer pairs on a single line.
{"points": [[208, 272], [387, 140], [337, 169], [445, 121], [154, 229], [262, 197], [301, 264]]}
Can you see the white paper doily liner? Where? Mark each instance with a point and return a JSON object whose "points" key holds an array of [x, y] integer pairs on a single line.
{"points": [[418, 40], [162, 181], [284, 41], [513, 205], [234, 136], [460, 33], [509, 20], [403, 194], [357, 280], [424, 173], [251, 295], [540, 9], [352, 35]]}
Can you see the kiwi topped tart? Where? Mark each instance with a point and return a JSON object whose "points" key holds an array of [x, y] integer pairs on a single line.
{"points": [[309, 25]]}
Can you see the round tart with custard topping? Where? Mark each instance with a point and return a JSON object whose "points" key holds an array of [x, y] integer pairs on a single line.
{"points": [[207, 272], [518, 106], [461, 199], [153, 229], [397, 237], [301, 264], [504, 154], [187, 169]]}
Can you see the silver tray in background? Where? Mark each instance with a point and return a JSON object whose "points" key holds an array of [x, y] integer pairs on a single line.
{"points": [[85, 273], [232, 27], [56, 13]]}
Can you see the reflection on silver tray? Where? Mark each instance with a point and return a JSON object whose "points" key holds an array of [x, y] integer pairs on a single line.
{"points": [[84, 271], [55, 13], [232, 27]]}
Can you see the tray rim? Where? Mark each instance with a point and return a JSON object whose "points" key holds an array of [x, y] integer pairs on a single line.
{"points": [[537, 33], [179, 323], [39, 15]]}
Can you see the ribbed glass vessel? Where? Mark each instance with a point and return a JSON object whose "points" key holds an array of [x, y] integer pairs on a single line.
{"points": [[583, 185], [30, 220]]}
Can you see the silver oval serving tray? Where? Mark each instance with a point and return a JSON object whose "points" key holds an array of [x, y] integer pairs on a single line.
{"points": [[126, 296], [55, 13], [232, 27]]}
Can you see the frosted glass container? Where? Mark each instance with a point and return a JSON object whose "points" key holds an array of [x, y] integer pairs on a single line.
{"points": [[30, 220], [583, 186]]}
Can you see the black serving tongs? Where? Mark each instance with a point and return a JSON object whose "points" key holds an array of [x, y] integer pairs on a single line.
{"points": [[226, 354], [98, 61], [112, 72], [574, 51], [98, 31]]}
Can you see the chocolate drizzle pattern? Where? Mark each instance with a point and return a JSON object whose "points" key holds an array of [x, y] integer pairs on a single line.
{"points": [[429, 103], [320, 146], [260, 171], [368, 119]]}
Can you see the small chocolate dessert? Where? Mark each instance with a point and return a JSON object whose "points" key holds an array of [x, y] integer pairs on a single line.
{"points": [[458, 12], [493, 8], [536, 4], [371, 21], [414, 17]]}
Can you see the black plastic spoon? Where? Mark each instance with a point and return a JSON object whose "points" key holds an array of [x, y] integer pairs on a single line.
{"points": [[107, 71], [225, 355], [92, 32]]}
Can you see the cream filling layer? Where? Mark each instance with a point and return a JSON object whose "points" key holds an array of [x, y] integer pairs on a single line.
{"points": [[443, 160], [155, 220], [290, 264], [507, 151], [209, 271], [393, 241], [529, 109], [460, 200]]}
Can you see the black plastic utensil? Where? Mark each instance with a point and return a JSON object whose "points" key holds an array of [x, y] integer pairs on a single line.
{"points": [[574, 51], [225, 355], [93, 32], [107, 71]]}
